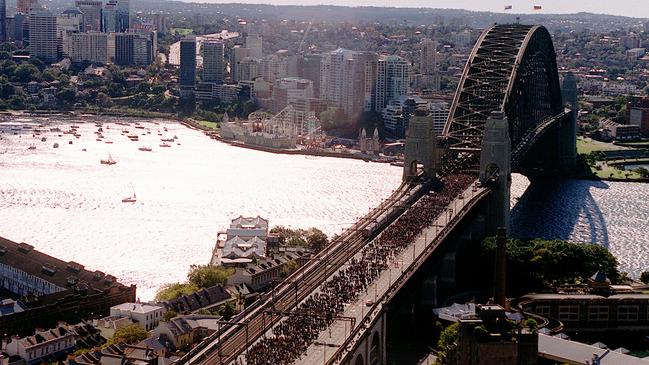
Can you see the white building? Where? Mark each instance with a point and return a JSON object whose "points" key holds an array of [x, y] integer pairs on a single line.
{"points": [[430, 77], [42, 344], [146, 315], [245, 239], [43, 42], [70, 21], [90, 46], [254, 45], [392, 80]]}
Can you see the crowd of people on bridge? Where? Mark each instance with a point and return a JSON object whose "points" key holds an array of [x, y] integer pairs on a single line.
{"points": [[300, 328]]}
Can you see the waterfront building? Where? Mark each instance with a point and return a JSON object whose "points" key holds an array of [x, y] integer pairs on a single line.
{"points": [[70, 21], [89, 46], [213, 61], [146, 315], [187, 65], [367, 143], [242, 242], [43, 42], [237, 54], [186, 330], [254, 45], [392, 80], [91, 10], [54, 290], [266, 270], [109, 16], [292, 91], [343, 80]]}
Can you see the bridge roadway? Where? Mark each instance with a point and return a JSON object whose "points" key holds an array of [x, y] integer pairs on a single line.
{"points": [[335, 344], [235, 338]]}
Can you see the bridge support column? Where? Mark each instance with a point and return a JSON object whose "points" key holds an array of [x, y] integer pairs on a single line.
{"points": [[421, 146], [568, 129], [495, 170]]}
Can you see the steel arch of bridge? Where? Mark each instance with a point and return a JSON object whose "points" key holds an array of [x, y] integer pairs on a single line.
{"points": [[512, 68]]}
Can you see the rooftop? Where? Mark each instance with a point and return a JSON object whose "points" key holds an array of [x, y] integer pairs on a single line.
{"points": [[137, 307]]}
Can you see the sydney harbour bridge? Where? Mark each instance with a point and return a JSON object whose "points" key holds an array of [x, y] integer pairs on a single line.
{"points": [[508, 115]]}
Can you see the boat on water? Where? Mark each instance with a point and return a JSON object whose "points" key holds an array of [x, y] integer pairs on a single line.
{"points": [[167, 140], [43, 139], [165, 145], [144, 148], [130, 199], [108, 142], [56, 145], [108, 161], [69, 142], [31, 148]]}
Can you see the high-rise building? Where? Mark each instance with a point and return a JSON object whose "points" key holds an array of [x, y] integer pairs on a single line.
{"points": [[213, 61], [123, 16], [312, 63], [392, 80], [254, 44], [292, 91], [187, 65], [3, 21], [135, 48], [89, 47], [109, 16], [91, 10], [273, 67], [70, 21], [236, 56], [159, 22], [430, 77], [248, 69], [23, 6], [43, 43]]}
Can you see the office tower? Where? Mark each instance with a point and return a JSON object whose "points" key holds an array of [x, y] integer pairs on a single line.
{"points": [[248, 69], [134, 48], [23, 6], [254, 44], [213, 61], [123, 16], [312, 63], [343, 80], [89, 46], [273, 67], [109, 16], [187, 65], [43, 43], [392, 80], [91, 10], [236, 56], [3, 21], [70, 21], [159, 22], [430, 77], [17, 31]]}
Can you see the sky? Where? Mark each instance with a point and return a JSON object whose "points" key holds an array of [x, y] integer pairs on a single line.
{"points": [[634, 8]]}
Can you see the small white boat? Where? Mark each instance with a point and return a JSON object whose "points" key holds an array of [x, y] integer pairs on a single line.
{"points": [[108, 161], [146, 149], [130, 199]]}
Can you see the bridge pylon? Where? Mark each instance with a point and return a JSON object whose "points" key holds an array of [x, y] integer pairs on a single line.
{"points": [[421, 146], [495, 170], [568, 130]]}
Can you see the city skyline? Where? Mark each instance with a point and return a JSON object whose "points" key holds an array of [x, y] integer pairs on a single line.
{"points": [[630, 8]]}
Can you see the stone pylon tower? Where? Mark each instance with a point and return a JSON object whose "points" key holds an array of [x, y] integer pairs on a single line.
{"points": [[568, 132], [495, 170], [420, 146]]}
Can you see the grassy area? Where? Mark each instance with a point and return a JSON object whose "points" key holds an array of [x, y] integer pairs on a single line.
{"points": [[206, 124], [181, 31], [607, 170], [586, 145]]}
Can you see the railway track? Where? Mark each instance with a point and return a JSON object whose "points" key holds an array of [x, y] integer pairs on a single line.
{"points": [[234, 339]]}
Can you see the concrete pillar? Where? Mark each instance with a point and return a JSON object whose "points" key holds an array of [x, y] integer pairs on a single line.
{"points": [[568, 129], [420, 146], [501, 268], [495, 170]]}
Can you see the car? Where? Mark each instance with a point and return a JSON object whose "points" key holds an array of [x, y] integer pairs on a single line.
{"points": [[369, 303]]}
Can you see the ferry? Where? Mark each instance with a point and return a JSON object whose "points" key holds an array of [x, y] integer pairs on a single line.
{"points": [[32, 148], [56, 145], [146, 149], [167, 140], [165, 145]]}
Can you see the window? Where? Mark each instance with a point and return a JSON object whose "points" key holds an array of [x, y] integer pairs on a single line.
{"points": [[542, 310], [568, 312], [627, 313], [598, 313]]}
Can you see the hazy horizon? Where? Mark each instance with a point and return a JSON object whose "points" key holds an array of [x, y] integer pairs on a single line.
{"points": [[631, 8]]}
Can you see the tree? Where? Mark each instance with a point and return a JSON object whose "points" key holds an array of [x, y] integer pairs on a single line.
{"points": [[104, 100], [48, 76], [316, 239], [288, 268], [448, 338], [174, 290], [228, 310], [38, 63], [66, 96], [4, 55], [644, 277], [205, 276], [169, 315], [26, 72], [130, 334]]}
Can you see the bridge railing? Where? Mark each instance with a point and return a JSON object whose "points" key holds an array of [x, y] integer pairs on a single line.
{"points": [[378, 307]]}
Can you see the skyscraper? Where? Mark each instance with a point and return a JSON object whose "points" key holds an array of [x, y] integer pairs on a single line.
{"points": [[392, 80], [312, 63], [187, 65], [134, 48], [213, 62], [23, 6], [42, 34], [428, 65], [123, 15], [70, 21], [254, 44], [3, 21], [89, 46], [91, 10], [109, 16], [238, 53]]}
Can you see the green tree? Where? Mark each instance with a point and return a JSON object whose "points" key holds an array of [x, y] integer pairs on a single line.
{"points": [[66, 96], [644, 277], [448, 338], [169, 315], [48, 76], [130, 334], [104, 100], [228, 311], [316, 239], [4, 55], [174, 290], [26, 72], [205, 276]]}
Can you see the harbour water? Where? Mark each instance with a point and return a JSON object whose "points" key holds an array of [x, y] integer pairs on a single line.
{"points": [[67, 204]]}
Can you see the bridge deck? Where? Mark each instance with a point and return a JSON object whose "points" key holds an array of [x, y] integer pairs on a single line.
{"points": [[333, 343]]}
